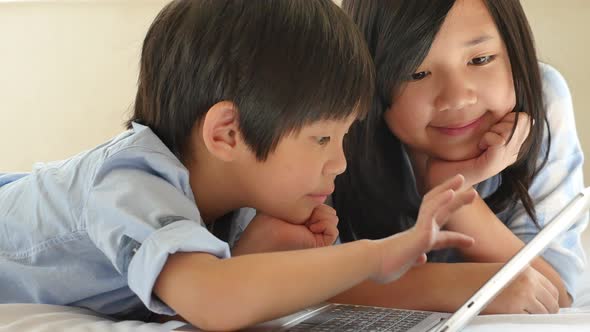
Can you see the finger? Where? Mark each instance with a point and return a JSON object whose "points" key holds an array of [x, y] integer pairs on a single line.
{"points": [[536, 307], [519, 122], [421, 260], [322, 217], [459, 200], [448, 239], [453, 183], [323, 226], [509, 117], [523, 128], [326, 208], [330, 238], [521, 131], [431, 205], [326, 236], [503, 126], [524, 121], [547, 299], [550, 287], [318, 227], [503, 129], [321, 213], [491, 139]]}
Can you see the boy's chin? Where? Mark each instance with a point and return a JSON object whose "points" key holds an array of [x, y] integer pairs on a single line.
{"points": [[297, 216]]}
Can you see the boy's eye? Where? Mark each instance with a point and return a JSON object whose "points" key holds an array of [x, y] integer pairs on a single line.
{"points": [[323, 140], [419, 76], [482, 60]]}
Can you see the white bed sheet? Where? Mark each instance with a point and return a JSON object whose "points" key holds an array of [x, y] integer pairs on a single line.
{"points": [[568, 320], [50, 318]]}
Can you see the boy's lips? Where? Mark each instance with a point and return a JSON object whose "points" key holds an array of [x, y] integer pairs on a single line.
{"points": [[321, 196], [461, 128]]}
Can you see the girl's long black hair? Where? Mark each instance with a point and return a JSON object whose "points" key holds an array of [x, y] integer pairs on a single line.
{"points": [[370, 197]]}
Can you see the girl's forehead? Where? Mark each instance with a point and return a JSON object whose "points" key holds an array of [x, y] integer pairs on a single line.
{"points": [[469, 10], [468, 26], [468, 22]]}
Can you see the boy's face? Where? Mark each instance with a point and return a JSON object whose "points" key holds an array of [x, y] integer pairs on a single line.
{"points": [[299, 174]]}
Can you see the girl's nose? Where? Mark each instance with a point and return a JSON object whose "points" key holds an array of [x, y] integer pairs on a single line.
{"points": [[456, 94]]}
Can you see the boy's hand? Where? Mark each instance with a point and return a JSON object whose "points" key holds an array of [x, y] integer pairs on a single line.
{"points": [[410, 247], [497, 154], [267, 234], [323, 225]]}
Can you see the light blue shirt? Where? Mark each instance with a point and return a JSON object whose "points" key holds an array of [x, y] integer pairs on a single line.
{"points": [[95, 230], [558, 182]]}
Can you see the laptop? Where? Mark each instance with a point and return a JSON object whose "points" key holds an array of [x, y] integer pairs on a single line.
{"points": [[343, 317]]}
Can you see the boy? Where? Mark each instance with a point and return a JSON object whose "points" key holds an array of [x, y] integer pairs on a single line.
{"points": [[239, 104]]}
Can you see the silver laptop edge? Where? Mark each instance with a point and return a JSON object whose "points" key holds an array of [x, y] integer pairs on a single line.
{"points": [[286, 322], [290, 320], [519, 262]]}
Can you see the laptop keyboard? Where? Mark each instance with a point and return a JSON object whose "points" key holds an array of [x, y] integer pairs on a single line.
{"points": [[352, 318]]}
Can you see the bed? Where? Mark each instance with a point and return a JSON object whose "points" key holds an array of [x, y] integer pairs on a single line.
{"points": [[46, 318]]}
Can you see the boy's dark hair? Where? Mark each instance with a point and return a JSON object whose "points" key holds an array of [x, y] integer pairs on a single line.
{"points": [[370, 197], [283, 63]]}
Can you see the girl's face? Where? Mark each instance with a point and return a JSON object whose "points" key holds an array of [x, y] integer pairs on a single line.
{"points": [[463, 87]]}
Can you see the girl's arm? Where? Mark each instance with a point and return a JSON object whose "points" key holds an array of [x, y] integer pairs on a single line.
{"points": [[496, 243], [445, 287], [258, 287]]}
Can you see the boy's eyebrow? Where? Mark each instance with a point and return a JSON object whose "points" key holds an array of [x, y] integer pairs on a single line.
{"points": [[478, 40]]}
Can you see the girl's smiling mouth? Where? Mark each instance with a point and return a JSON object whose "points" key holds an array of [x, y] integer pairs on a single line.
{"points": [[461, 128]]}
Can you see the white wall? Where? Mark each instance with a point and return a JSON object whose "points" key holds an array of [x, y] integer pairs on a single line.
{"points": [[68, 70], [561, 31]]}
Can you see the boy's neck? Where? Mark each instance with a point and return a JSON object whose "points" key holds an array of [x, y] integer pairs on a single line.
{"points": [[214, 190]]}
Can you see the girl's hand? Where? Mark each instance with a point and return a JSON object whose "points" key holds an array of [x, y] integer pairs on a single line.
{"points": [[529, 293], [267, 234], [497, 154], [409, 248]]}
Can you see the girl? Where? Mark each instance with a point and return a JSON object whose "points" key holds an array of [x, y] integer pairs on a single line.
{"points": [[460, 90]]}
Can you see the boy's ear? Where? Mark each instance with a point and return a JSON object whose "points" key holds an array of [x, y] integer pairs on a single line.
{"points": [[221, 130]]}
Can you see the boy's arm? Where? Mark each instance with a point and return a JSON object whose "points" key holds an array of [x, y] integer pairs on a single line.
{"points": [[496, 243], [258, 287], [444, 287], [203, 289]]}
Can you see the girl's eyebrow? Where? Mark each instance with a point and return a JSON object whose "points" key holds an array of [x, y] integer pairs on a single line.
{"points": [[478, 40]]}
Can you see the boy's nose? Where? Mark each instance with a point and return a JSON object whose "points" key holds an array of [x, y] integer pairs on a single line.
{"points": [[336, 165]]}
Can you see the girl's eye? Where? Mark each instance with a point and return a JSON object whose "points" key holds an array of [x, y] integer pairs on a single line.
{"points": [[482, 60], [323, 140], [419, 76]]}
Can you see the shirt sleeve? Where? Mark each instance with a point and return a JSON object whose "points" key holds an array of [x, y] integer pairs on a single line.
{"points": [[140, 209], [557, 183]]}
